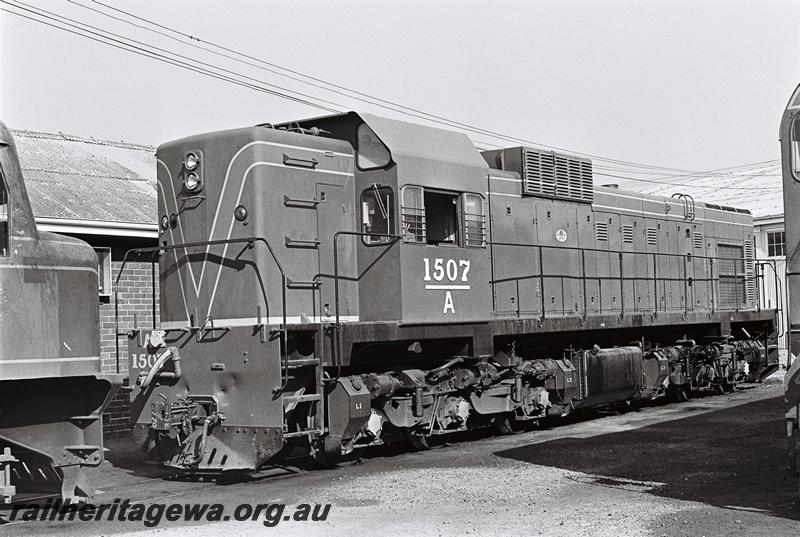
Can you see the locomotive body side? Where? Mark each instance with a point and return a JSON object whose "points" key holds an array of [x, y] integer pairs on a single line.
{"points": [[52, 391], [349, 279]]}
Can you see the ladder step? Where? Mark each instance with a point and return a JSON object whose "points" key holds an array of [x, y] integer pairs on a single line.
{"points": [[94, 417], [302, 433], [303, 362], [295, 284], [301, 243], [301, 398]]}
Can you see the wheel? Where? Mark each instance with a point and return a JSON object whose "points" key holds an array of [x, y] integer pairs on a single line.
{"points": [[506, 424], [420, 442], [166, 446], [328, 459], [679, 395]]}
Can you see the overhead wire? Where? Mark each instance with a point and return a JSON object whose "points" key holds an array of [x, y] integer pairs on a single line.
{"points": [[155, 56], [124, 40], [304, 98], [327, 86], [337, 88], [739, 173]]}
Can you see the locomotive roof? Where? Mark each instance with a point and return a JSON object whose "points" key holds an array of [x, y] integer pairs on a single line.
{"points": [[758, 189], [72, 179], [412, 139]]}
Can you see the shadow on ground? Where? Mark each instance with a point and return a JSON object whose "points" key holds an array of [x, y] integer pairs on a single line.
{"points": [[733, 457]]}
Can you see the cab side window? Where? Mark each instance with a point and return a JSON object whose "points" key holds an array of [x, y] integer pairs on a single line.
{"points": [[413, 214], [377, 214], [474, 221], [372, 154], [4, 216], [795, 151], [440, 218]]}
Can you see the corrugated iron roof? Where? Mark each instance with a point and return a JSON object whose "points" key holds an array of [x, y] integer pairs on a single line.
{"points": [[757, 188], [79, 178]]}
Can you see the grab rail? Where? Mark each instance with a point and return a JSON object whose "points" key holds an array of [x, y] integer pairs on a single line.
{"points": [[736, 275]]}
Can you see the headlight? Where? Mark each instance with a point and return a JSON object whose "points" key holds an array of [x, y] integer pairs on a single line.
{"points": [[191, 161], [192, 182], [164, 222]]}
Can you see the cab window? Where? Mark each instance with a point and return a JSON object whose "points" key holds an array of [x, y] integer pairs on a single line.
{"points": [[4, 212], [474, 221], [377, 214], [441, 218], [372, 153], [795, 150], [413, 214]]}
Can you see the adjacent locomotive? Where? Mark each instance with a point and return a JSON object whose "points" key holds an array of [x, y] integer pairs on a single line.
{"points": [[350, 279], [790, 156], [51, 389]]}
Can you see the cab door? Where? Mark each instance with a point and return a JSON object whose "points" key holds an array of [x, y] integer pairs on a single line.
{"points": [[335, 214]]}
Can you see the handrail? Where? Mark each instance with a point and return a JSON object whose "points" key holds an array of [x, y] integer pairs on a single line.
{"points": [[541, 275], [612, 251], [157, 250], [778, 292]]}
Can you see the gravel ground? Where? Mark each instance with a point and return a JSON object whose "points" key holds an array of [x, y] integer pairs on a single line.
{"points": [[713, 466]]}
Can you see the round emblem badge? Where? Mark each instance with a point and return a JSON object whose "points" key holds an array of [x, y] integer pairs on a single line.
{"points": [[561, 235]]}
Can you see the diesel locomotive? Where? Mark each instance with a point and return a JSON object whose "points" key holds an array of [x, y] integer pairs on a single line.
{"points": [[348, 280], [790, 158], [52, 391]]}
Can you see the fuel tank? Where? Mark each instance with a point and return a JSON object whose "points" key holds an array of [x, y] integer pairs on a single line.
{"points": [[608, 376]]}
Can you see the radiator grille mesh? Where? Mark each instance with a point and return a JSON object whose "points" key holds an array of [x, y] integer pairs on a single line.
{"points": [[554, 175]]}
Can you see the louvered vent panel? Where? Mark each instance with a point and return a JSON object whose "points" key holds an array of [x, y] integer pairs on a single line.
{"points": [[555, 175], [749, 272], [731, 271], [627, 234], [587, 181], [538, 174], [601, 231], [651, 235], [698, 240], [562, 178]]}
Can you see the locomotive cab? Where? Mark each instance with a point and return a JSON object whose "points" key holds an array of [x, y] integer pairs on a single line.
{"points": [[421, 246]]}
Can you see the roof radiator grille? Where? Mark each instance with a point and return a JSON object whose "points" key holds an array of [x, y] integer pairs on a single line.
{"points": [[555, 175]]}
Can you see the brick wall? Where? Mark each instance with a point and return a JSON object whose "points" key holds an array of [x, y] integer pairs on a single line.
{"points": [[135, 306]]}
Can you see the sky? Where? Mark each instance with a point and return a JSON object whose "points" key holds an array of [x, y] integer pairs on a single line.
{"points": [[691, 85]]}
